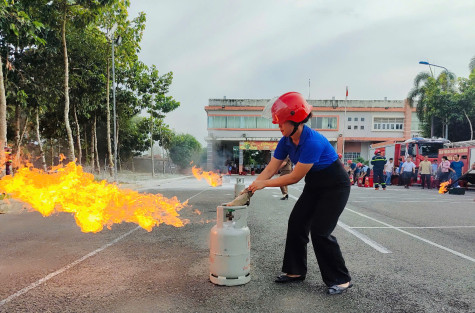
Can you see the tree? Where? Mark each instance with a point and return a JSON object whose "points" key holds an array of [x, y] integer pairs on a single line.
{"points": [[131, 33], [433, 99], [184, 148], [17, 31], [82, 12]]}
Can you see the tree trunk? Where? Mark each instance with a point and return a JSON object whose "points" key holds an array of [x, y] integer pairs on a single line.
{"points": [[72, 157], [95, 145], [118, 146], [85, 145], [470, 123], [17, 133], [52, 151], [3, 114], [38, 138], [93, 157], [151, 146], [78, 135], [108, 122]]}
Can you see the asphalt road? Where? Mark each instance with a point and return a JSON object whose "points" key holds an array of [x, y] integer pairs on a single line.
{"points": [[407, 251]]}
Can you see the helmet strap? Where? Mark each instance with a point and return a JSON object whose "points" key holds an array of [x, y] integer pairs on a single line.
{"points": [[296, 127]]}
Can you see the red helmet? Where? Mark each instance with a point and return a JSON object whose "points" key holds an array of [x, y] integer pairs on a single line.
{"points": [[291, 106], [377, 151], [359, 164], [340, 155], [349, 161]]}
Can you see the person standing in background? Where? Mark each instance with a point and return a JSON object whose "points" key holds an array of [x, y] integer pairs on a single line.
{"points": [[424, 170], [408, 169], [444, 169], [285, 169], [378, 163], [389, 169], [456, 167], [434, 169]]}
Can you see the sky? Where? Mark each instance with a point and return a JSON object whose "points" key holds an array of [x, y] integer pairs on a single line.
{"points": [[260, 49]]}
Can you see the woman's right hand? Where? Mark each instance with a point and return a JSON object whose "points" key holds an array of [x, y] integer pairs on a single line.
{"points": [[257, 185]]}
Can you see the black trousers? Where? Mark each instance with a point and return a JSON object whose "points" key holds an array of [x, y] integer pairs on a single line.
{"points": [[407, 176], [425, 179], [316, 212], [378, 177]]}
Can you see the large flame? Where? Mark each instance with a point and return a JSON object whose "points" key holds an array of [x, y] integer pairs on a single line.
{"points": [[444, 186], [94, 204], [213, 179]]}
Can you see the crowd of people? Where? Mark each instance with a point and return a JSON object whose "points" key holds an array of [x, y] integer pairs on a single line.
{"points": [[385, 173]]}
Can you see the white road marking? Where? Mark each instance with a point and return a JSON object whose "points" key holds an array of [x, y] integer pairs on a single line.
{"points": [[407, 201], [413, 227], [415, 236], [364, 238], [293, 197], [359, 235], [67, 267]]}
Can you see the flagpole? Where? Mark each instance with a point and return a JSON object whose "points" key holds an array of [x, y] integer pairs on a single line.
{"points": [[344, 125], [309, 89]]}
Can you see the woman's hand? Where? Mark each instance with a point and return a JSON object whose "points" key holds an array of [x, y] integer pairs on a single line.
{"points": [[257, 185]]}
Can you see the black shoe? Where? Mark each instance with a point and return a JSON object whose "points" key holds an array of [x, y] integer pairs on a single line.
{"points": [[286, 197], [336, 290], [282, 279]]}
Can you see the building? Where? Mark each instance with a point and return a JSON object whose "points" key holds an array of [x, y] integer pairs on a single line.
{"points": [[236, 126]]}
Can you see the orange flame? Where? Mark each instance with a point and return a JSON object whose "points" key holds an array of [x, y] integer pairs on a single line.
{"points": [[213, 179], [444, 186], [94, 204]]}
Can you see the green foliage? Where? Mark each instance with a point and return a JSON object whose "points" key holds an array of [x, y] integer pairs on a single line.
{"points": [[184, 148], [361, 160], [445, 98]]}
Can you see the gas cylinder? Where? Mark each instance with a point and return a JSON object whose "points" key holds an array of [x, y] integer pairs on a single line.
{"points": [[230, 247], [239, 186]]}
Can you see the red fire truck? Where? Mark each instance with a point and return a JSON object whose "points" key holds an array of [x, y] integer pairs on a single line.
{"points": [[417, 148], [465, 149]]}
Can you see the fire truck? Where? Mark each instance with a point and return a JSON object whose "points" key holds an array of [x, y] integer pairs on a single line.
{"points": [[465, 149], [416, 148]]}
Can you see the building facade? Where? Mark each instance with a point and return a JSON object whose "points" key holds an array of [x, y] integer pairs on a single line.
{"points": [[351, 126]]}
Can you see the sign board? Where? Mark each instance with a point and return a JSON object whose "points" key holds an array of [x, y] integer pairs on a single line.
{"points": [[257, 145]]}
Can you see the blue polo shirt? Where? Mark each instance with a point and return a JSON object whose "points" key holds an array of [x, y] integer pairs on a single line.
{"points": [[457, 167], [313, 148]]}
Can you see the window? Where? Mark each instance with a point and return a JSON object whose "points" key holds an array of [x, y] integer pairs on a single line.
{"points": [[240, 122], [388, 123], [362, 119], [362, 127], [250, 122], [356, 119], [233, 122], [265, 123], [216, 121], [349, 126], [324, 122], [351, 156], [349, 119], [356, 127]]}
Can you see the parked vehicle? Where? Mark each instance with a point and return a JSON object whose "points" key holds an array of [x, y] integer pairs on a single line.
{"points": [[416, 148]]}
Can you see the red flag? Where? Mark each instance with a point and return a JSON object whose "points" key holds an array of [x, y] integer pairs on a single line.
{"points": [[347, 91]]}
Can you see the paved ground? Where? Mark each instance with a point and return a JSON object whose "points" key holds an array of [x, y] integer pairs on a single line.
{"points": [[407, 250]]}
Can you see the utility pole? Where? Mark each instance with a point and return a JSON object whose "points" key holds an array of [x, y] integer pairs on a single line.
{"points": [[151, 145]]}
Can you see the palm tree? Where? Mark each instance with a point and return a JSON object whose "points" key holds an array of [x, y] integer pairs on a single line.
{"points": [[424, 85], [471, 65], [419, 91]]}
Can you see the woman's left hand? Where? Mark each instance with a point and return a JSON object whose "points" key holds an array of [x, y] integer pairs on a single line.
{"points": [[257, 185]]}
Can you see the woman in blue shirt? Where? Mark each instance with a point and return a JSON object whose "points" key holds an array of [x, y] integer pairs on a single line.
{"points": [[326, 191]]}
